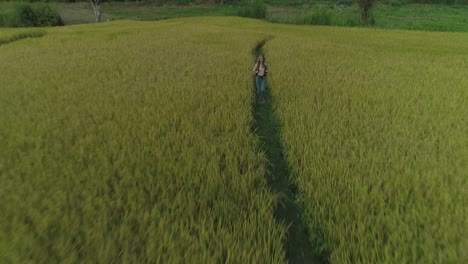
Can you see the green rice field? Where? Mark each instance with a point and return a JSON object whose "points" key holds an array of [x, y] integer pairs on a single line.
{"points": [[135, 142]]}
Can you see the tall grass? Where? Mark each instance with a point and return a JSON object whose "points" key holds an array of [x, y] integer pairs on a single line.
{"points": [[322, 16], [253, 9], [315, 17], [131, 142], [11, 35], [375, 130]]}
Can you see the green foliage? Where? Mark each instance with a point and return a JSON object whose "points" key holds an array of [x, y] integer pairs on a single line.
{"points": [[423, 17], [27, 15], [322, 16], [396, 3], [182, 2], [393, 16], [365, 7], [23, 16], [315, 17], [165, 12], [228, 2], [253, 9], [446, 2], [47, 16]]}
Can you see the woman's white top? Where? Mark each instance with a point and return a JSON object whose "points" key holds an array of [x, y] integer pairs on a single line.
{"points": [[259, 70]]}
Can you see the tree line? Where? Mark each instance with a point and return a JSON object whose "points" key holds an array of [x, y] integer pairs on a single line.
{"points": [[279, 2]]}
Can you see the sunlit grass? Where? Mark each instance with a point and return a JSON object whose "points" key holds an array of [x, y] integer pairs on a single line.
{"points": [[131, 142], [375, 130]]}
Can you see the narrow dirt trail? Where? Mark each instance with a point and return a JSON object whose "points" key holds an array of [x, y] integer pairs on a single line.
{"points": [[268, 128]]}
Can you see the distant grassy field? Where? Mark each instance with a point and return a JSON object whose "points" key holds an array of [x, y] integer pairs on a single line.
{"points": [[74, 13], [452, 18], [423, 17], [154, 12], [411, 16], [133, 142]]}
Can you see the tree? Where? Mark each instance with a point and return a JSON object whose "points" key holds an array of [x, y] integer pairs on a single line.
{"points": [[365, 6], [97, 9]]}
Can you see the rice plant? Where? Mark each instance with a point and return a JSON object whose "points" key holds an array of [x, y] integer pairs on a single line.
{"points": [[131, 142], [375, 129]]}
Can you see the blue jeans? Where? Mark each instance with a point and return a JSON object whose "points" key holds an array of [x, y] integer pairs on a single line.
{"points": [[260, 83]]}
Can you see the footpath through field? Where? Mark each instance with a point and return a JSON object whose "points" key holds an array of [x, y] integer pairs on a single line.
{"points": [[268, 128]]}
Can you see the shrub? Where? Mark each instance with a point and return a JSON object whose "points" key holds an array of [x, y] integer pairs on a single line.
{"points": [[346, 21], [23, 15], [316, 17], [366, 6], [254, 9], [46, 16]]}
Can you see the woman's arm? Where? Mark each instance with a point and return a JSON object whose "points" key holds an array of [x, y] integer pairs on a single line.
{"points": [[255, 69]]}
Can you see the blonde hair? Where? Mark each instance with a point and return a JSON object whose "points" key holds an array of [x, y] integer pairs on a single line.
{"points": [[258, 61]]}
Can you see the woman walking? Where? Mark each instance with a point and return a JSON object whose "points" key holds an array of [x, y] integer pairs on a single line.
{"points": [[260, 69]]}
